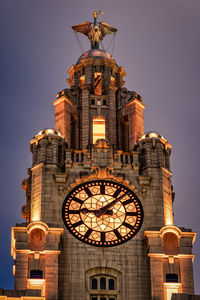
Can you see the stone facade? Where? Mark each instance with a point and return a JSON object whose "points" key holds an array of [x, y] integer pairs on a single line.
{"points": [[51, 260]]}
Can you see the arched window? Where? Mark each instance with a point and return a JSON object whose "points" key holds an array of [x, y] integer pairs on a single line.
{"points": [[99, 129], [103, 288], [103, 283], [94, 284], [111, 284]]}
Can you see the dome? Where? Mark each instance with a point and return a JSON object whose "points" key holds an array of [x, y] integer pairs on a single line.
{"points": [[47, 131], [96, 53], [151, 135]]}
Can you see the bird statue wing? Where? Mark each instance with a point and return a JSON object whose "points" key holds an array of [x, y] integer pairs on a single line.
{"points": [[83, 28], [107, 29]]}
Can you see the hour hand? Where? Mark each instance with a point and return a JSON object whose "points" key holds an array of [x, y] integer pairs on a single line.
{"points": [[95, 212]]}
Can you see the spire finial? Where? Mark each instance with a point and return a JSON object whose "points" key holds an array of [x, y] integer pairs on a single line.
{"points": [[95, 14]]}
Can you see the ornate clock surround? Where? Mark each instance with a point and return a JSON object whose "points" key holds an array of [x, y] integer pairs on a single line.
{"points": [[102, 213]]}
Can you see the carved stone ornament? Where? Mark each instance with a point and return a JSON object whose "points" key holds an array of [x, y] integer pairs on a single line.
{"points": [[102, 144], [99, 172], [60, 180]]}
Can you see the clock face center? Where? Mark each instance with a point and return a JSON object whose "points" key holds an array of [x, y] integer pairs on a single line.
{"points": [[108, 221]]}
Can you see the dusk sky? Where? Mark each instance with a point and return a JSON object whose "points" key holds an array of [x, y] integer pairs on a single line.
{"points": [[157, 43]]}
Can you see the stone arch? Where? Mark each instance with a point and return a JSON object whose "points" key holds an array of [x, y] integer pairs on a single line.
{"points": [[170, 239]]}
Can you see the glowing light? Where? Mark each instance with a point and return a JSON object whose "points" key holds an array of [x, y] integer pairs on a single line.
{"points": [[36, 215], [172, 229], [49, 131], [153, 135], [38, 284], [82, 80], [171, 288], [99, 129]]}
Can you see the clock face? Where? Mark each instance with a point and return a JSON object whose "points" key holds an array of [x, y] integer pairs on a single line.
{"points": [[102, 213]]}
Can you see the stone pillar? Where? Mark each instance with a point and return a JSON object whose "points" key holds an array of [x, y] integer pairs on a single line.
{"points": [[167, 196], [36, 192], [21, 271], [111, 127], [63, 110], [135, 120], [51, 276], [85, 117]]}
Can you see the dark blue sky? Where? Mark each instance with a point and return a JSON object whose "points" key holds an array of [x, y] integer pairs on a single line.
{"points": [[158, 45]]}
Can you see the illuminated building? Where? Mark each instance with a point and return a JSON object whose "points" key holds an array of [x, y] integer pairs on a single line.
{"points": [[99, 200]]}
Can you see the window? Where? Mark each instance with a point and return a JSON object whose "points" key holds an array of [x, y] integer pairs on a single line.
{"points": [[93, 102], [99, 129], [82, 80], [97, 83], [36, 274], [94, 284], [102, 283], [103, 288], [112, 80], [111, 284], [171, 277], [104, 102]]}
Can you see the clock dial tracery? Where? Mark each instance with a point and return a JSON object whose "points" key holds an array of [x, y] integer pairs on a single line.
{"points": [[102, 213]]}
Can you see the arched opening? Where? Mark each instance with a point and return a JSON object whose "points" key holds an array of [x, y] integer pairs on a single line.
{"points": [[170, 243], [99, 129], [111, 284], [102, 283], [37, 240], [94, 284]]}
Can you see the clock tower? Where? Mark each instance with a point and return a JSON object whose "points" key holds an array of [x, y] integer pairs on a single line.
{"points": [[99, 200]]}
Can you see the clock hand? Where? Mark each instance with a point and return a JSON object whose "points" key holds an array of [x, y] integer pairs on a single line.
{"points": [[86, 210], [104, 209]]}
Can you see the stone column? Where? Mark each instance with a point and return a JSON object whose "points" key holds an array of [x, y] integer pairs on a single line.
{"points": [[111, 127], [167, 196], [63, 110], [135, 121], [36, 192], [85, 117]]}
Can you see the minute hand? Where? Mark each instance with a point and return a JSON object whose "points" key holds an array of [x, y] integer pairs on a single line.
{"points": [[104, 209]]}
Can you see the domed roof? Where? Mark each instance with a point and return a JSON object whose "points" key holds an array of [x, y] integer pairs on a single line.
{"points": [[151, 135], [96, 53], [48, 131]]}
